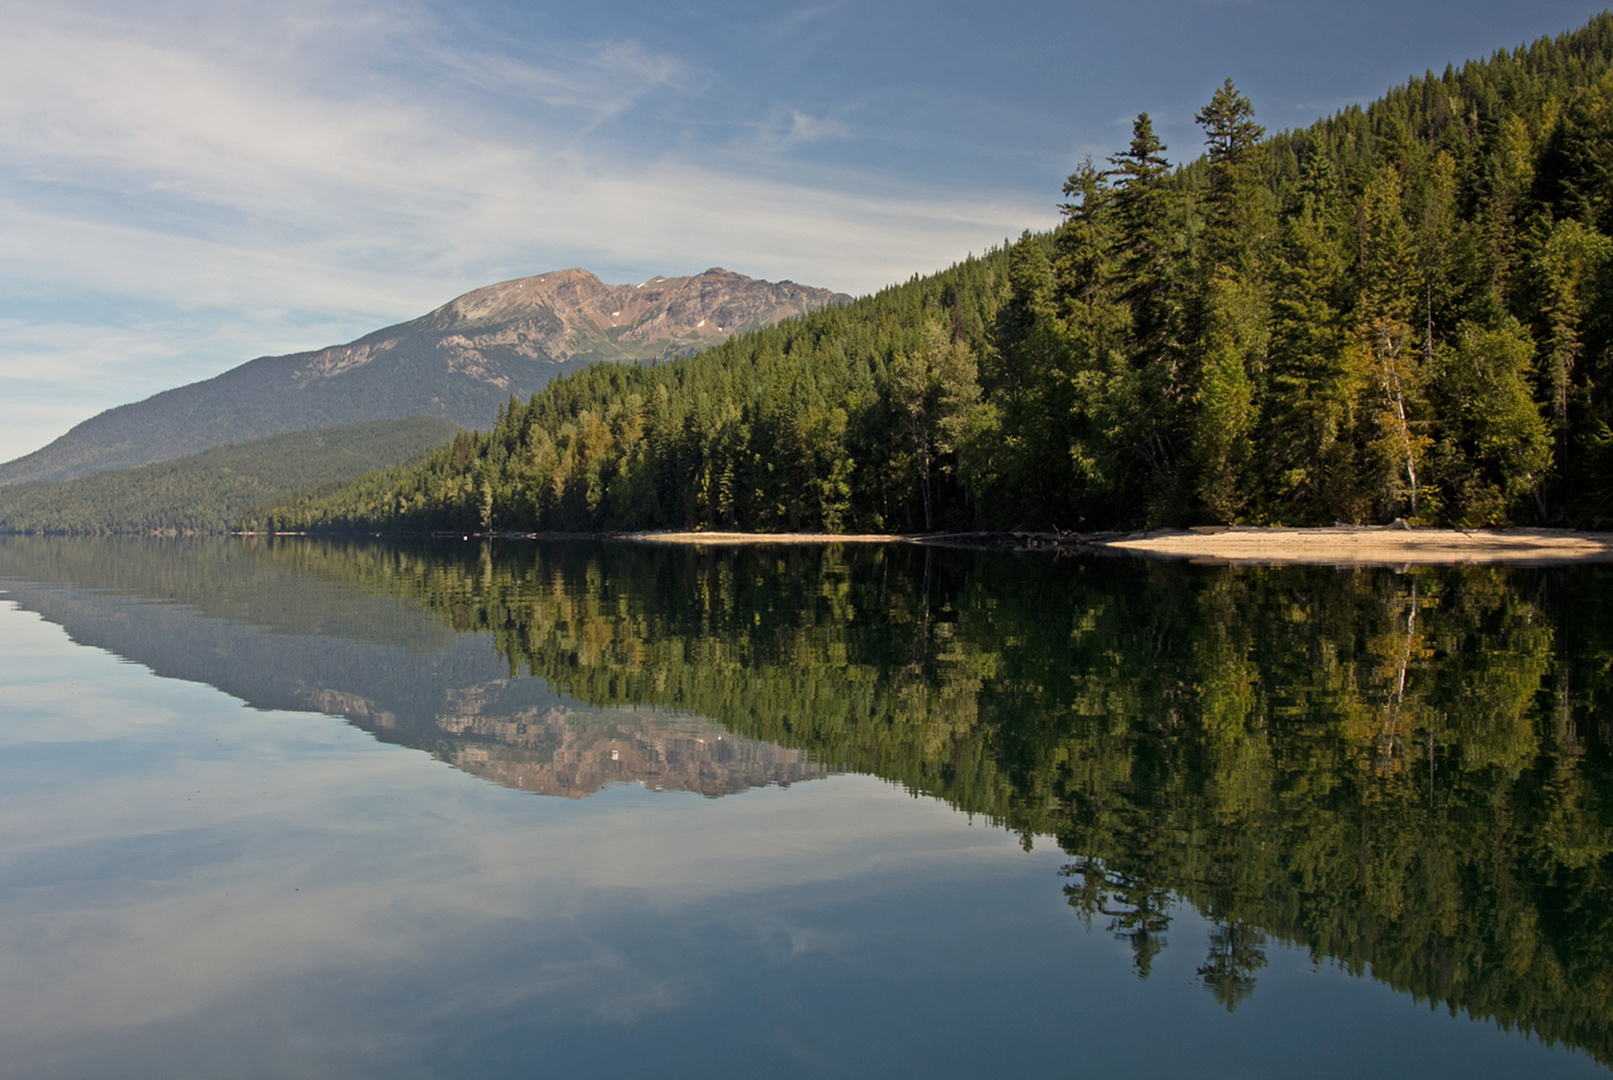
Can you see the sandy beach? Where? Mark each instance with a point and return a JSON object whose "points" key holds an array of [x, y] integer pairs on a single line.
{"points": [[1369, 545]]}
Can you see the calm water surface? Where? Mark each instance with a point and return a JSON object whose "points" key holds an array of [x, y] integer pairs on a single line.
{"points": [[308, 809]]}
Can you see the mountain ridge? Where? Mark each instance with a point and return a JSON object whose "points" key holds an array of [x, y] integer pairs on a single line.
{"points": [[458, 362]]}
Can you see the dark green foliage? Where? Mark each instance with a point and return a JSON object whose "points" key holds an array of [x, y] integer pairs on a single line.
{"points": [[1404, 310], [210, 491]]}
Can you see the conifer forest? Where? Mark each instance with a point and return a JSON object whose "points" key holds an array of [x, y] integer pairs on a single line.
{"points": [[1404, 311]]}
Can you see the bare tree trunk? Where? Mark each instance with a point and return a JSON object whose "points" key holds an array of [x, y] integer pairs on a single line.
{"points": [[925, 485], [1391, 385]]}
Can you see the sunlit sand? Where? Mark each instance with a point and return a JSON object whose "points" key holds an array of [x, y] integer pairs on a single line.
{"points": [[1382, 545]]}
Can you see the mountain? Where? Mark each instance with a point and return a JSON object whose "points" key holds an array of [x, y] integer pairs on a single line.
{"points": [[459, 362], [207, 492]]}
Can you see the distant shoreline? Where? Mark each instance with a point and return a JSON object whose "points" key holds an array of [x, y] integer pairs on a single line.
{"points": [[725, 539], [1339, 545], [1366, 545]]}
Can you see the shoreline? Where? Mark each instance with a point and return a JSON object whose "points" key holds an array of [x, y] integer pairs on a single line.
{"points": [[1357, 545], [1395, 545], [729, 539]]}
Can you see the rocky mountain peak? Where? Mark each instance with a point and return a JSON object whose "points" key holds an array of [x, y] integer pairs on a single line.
{"points": [[458, 362], [567, 312]]}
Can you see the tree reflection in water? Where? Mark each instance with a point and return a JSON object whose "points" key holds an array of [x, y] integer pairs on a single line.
{"points": [[1406, 773]]}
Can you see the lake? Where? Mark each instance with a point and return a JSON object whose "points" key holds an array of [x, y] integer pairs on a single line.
{"points": [[298, 808]]}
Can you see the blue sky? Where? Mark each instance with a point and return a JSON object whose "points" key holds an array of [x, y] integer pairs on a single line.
{"points": [[184, 185]]}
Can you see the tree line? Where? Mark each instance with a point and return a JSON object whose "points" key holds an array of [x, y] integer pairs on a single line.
{"points": [[1402, 311]]}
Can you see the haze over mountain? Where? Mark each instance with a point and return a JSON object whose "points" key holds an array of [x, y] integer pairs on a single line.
{"points": [[459, 362]]}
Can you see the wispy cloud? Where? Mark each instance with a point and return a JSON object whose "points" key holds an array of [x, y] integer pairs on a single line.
{"points": [[794, 22], [792, 127], [601, 80], [316, 165]]}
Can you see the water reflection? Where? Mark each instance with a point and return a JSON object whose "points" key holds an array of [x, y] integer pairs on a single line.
{"points": [[560, 751], [1406, 774], [291, 632]]}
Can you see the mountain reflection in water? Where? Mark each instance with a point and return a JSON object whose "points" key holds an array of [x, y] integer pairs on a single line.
{"points": [[564, 752], [1407, 774], [294, 638]]}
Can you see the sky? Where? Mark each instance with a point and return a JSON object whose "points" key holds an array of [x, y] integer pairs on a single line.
{"points": [[187, 185]]}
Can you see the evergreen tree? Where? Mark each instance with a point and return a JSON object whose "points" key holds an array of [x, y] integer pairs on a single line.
{"points": [[1306, 439], [1233, 313], [1238, 218], [1109, 421], [1148, 211]]}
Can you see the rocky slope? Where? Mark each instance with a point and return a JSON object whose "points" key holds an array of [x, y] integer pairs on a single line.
{"points": [[459, 362]]}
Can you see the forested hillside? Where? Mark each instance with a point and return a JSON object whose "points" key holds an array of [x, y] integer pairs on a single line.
{"points": [[207, 492], [1405, 310]]}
